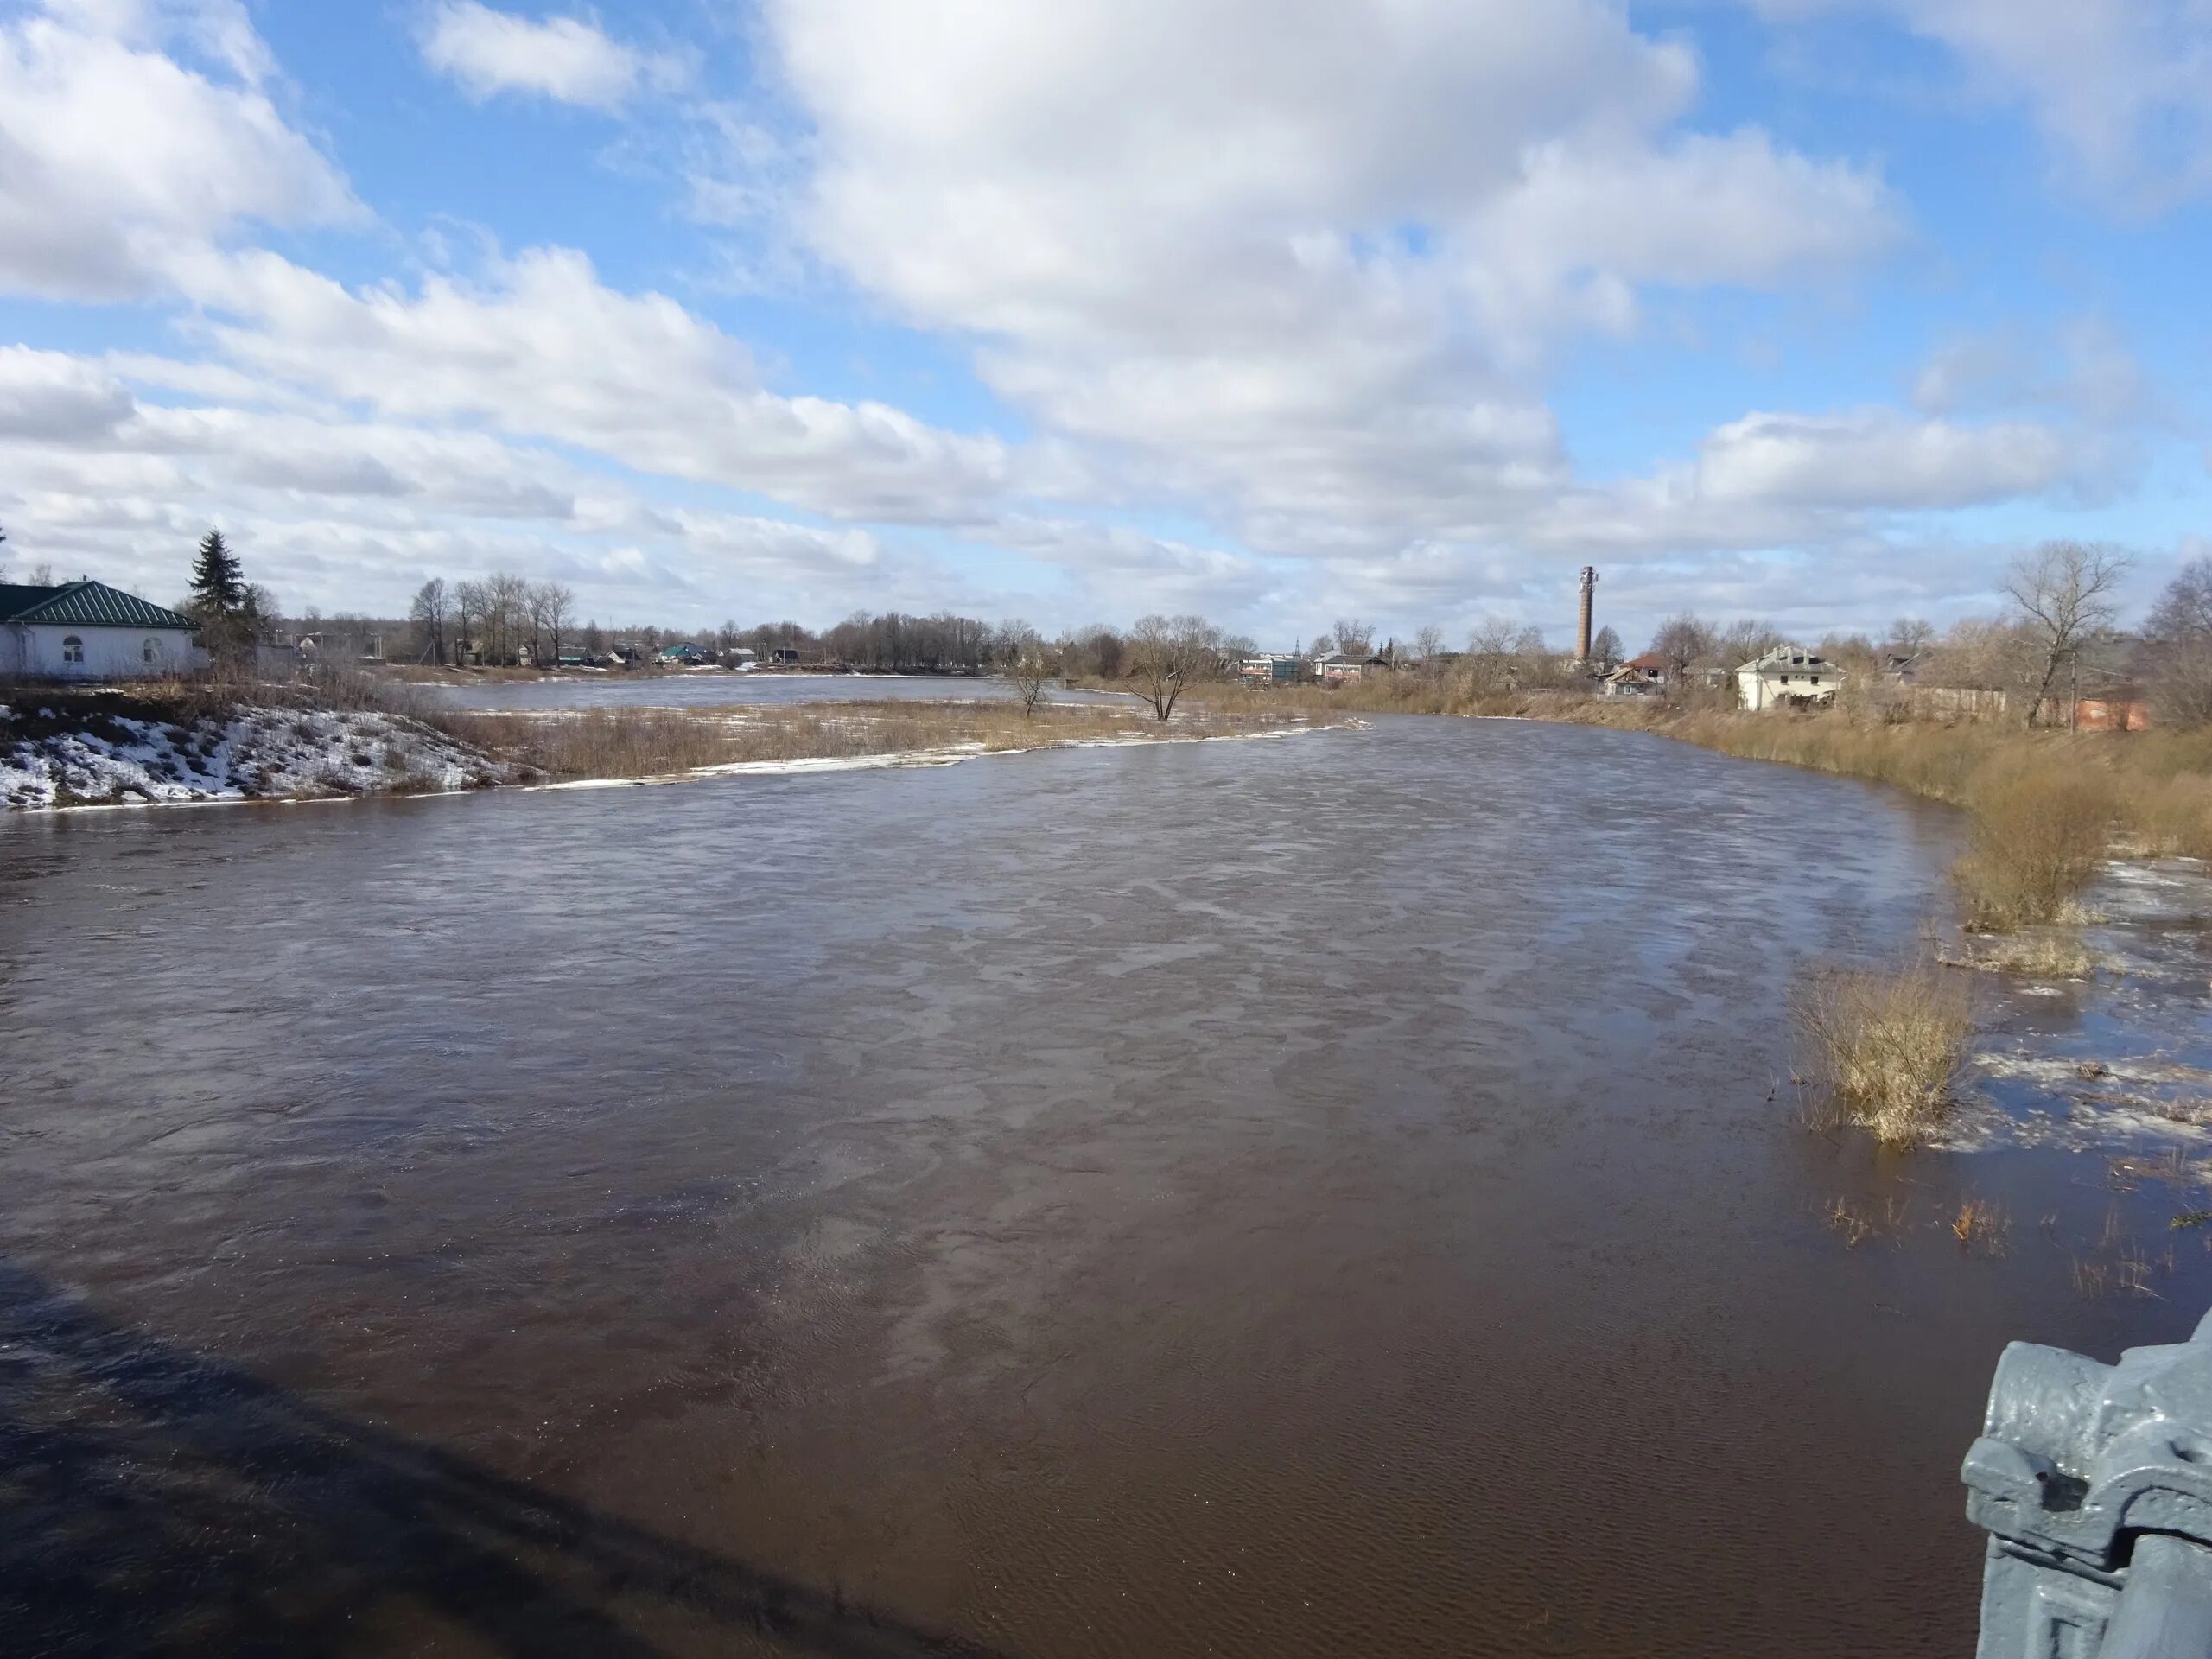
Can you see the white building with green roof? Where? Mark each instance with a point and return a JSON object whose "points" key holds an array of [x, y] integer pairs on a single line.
{"points": [[88, 630]]}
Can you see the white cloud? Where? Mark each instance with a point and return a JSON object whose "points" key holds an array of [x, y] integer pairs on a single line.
{"points": [[565, 59], [2121, 88], [1879, 460], [544, 349], [1299, 262], [2083, 368], [117, 162], [342, 512], [52, 397]]}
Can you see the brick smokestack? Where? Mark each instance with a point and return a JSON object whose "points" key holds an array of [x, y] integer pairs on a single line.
{"points": [[1582, 627]]}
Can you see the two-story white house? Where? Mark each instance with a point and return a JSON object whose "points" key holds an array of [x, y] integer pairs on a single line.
{"points": [[1787, 676], [88, 630]]}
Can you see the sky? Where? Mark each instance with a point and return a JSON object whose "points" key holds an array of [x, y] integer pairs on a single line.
{"points": [[1815, 311]]}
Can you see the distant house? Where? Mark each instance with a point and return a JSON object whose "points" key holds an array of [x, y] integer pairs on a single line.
{"points": [[785, 655], [687, 654], [1647, 676], [1271, 668], [88, 630], [1334, 668], [1788, 677], [740, 656]]}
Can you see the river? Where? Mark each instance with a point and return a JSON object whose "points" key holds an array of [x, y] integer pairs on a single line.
{"points": [[1325, 1195]]}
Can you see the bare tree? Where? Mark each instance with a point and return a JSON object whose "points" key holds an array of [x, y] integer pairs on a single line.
{"points": [[554, 610], [1166, 653], [1490, 657], [2177, 636], [1683, 642], [1605, 650], [506, 612], [1743, 640], [1355, 638], [1984, 654], [1910, 636], [261, 613], [1029, 665], [470, 604], [2064, 592], [1429, 645], [431, 613]]}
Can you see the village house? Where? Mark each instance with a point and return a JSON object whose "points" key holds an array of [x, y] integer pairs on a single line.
{"points": [[1647, 676], [1271, 668], [1788, 677], [86, 630], [1334, 668]]}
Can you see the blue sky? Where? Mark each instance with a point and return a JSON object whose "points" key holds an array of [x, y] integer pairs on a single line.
{"points": [[1818, 311]]}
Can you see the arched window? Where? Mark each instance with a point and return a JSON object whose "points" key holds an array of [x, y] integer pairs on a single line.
{"points": [[151, 650], [72, 650]]}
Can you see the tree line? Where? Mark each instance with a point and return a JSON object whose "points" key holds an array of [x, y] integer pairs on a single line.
{"points": [[2058, 637], [2058, 633]]}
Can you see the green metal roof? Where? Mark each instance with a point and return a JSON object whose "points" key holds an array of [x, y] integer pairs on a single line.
{"points": [[86, 604]]}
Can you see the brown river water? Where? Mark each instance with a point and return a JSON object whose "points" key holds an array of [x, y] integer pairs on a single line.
{"points": [[1317, 1196]]}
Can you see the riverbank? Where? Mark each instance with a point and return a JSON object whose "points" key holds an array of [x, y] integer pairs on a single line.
{"points": [[2156, 785], [183, 745], [2070, 835], [637, 744]]}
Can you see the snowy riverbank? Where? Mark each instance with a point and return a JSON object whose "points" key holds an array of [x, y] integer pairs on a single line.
{"points": [[59, 757], [81, 750]]}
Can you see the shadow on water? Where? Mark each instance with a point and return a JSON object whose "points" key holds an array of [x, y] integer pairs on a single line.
{"points": [[154, 1502]]}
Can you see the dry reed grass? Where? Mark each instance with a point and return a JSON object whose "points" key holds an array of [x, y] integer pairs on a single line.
{"points": [[1856, 1223], [2044, 954], [2037, 840], [641, 742], [1887, 1046], [1980, 1225]]}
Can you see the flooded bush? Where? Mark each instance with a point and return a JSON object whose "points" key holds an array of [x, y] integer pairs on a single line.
{"points": [[1887, 1046], [2044, 953], [2170, 817], [2037, 842]]}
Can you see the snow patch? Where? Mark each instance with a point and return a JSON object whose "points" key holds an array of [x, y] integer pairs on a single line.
{"points": [[248, 754]]}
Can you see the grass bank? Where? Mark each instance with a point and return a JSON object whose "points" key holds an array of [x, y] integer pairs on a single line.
{"points": [[194, 742], [354, 734], [640, 742], [2047, 806]]}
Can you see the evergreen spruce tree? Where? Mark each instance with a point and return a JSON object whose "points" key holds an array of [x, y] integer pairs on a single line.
{"points": [[218, 582]]}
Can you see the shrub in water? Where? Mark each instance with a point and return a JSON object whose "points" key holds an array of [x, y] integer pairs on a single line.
{"points": [[1887, 1046], [2037, 842]]}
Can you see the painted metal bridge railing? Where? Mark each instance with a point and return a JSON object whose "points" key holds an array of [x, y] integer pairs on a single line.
{"points": [[2095, 1484]]}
